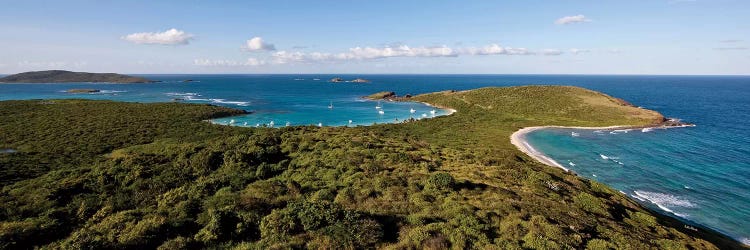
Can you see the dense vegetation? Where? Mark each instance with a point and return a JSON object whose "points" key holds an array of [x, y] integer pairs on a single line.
{"points": [[154, 176], [48, 76]]}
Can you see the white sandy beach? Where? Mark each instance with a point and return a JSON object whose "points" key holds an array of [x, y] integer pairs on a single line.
{"points": [[518, 139]]}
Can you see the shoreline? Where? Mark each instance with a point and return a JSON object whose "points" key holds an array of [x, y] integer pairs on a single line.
{"points": [[449, 111], [686, 226], [518, 139]]}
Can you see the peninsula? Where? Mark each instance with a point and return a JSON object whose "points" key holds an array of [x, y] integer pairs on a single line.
{"points": [[162, 177], [62, 76]]}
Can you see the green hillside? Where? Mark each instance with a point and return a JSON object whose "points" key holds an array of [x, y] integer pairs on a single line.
{"points": [[57, 76], [110, 175]]}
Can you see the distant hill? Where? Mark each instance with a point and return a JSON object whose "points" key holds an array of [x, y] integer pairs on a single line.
{"points": [[55, 76]]}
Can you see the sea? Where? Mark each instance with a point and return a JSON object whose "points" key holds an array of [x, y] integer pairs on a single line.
{"points": [[698, 174]]}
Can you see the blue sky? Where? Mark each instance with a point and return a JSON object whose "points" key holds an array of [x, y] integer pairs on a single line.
{"points": [[493, 37]]}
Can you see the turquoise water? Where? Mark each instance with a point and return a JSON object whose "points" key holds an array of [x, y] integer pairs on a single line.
{"points": [[700, 174]]}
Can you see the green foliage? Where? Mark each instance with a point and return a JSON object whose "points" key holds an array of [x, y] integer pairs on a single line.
{"points": [[441, 181], [590, 203], [110, 175], [346, 227], [598, 244]]}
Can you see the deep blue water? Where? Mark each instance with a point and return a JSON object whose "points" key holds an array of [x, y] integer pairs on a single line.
{"points": [[701, 174]]}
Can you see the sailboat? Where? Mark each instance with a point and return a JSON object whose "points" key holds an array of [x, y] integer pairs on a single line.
{"points": [[378, 106], [412, 110]]}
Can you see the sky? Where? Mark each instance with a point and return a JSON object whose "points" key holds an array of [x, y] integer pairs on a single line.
{"points": [[669, 37]]}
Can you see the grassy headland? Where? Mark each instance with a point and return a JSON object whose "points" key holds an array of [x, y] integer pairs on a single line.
{"points": [[154, 175]]}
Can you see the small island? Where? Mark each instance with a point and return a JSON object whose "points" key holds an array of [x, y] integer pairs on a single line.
{"points": [[63, 76], [358, 80], [78, 91]]}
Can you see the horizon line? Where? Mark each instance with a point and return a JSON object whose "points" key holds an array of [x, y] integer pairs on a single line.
{"points": [[446, 74]]}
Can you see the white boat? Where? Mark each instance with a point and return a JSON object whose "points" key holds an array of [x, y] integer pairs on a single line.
{"points": [[574, 134], [412, 110], [320, 124], [350, 122], [232, 121], [378, 106], [330, 106], [433, 112], [381, 112], [288, 124], [270, 124]]}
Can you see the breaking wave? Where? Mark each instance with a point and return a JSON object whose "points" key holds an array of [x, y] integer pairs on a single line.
{"points": [[196, 97], [663, 200]]}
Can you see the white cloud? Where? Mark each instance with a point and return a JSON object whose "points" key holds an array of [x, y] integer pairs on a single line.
{"points": [[230, 63], [399, 51], [169, 37], [572, 20], [551, 52], [373, 53], [579, 51], [363, 53], [494, 49], [257, 44]]}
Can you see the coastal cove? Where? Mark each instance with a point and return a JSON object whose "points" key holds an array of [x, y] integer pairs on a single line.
{"points": [[641, 165], [486, 170]]}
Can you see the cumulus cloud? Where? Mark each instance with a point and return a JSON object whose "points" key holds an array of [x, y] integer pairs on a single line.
{"points": [[572, 20], [363, 53], [229, 63], [375, 53], [495, 49], [257, 44], [399, 51], [169, 37]]}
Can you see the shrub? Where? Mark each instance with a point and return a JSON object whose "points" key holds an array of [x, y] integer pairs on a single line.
{"points": [[441, 181], [598, 244], [590, 203]]}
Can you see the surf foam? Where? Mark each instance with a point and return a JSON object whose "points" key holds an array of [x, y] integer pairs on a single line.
{"points": [[663, 200]]}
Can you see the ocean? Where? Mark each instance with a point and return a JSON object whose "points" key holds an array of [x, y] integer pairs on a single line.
{"points": [[699, 174]]}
